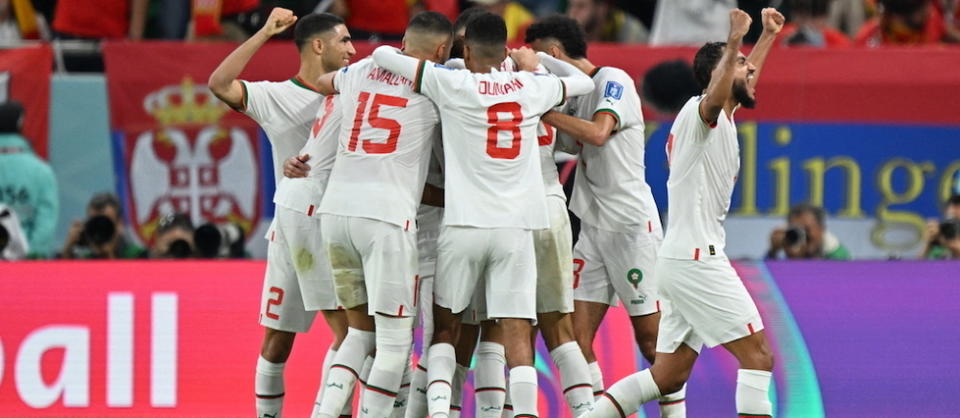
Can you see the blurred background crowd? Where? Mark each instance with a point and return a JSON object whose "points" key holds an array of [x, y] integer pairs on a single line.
{"points": [[819, 23]]}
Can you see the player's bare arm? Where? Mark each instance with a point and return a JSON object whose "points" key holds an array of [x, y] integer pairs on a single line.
{"points": [[324, 84], [721, 81], [526, 59], [772, 24], [594, 132], [223, 81]]}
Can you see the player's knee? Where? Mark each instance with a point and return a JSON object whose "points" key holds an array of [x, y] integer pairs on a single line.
{"points": [[670, 382], [586, 344], [277, 345]]}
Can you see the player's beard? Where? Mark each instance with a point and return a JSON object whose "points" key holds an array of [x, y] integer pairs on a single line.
{"points": [[742, 95]]}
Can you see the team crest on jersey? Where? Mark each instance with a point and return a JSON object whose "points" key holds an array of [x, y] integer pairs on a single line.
{"points": [[189, 162], [635, 276], [613, 90]]}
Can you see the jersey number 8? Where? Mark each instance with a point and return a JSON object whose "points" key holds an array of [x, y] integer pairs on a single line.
{"points": [[511, 125]]}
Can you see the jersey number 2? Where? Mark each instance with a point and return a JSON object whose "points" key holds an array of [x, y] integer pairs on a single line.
{"points": [[511, 125], [375, 121]]}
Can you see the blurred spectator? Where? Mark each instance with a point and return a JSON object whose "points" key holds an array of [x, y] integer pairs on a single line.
{"points": [[100, 235], [604, 22], [13, 243], [806, 237], [848, 15], [27, 183], [542, 7], [903, 22], [943, 237], [374, 20], [98, 19], [174, 238], [232, 20], [517, 17], [19, 20], [808, 26], [691, 22]]}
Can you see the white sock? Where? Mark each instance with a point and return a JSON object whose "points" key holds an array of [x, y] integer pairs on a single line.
{"points": [[269, 388], [403, 395], [625, 397], [417, 401], [343, 373], [327, 361], [364, 375], [507, 403], [752, 397], [596, 378], [440, 369], [574, 377], [490, 384], [523, 391], [674, 405], [456, 398], [394, 337]]}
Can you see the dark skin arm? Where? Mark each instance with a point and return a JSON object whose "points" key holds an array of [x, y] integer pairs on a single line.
{"points": [[594, 132]]}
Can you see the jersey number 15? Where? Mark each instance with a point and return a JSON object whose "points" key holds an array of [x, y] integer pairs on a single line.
{"points": [[375, 121]]}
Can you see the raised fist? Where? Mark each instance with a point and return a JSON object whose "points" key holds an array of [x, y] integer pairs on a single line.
{"points": [[772, 20], [739, 24], [279, 20]]}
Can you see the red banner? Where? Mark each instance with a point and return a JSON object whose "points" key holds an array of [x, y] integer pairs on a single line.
{"points": [[25, 77]]}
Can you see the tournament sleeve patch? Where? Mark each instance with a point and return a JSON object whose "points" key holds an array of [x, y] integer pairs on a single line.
{"points": [[613, 90], [418, 81]]}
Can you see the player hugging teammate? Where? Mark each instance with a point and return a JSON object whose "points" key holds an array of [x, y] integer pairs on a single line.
{"points": [[423, 188]]}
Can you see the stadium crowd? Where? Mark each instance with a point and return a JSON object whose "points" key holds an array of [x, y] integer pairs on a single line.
{"points": [[818, 23]]}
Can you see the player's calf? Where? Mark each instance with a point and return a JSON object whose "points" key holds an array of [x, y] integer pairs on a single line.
{"points": [[394, 337]]}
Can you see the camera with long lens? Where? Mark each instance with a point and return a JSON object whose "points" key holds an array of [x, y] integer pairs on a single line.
{"points": [[98, 231], [220, 240], [950, 229], [795, 236]]}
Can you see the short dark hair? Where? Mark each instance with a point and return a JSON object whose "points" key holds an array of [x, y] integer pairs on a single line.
{"points": [[954, 200], [706, 60], [486, 29], [802, 208], [11, 117], [565, 30], [466, 16], [903, 7], [101, 201], [431, 22], [312, 25]]}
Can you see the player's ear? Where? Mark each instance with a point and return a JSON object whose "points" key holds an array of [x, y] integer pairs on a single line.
{"points": [[554, 51], [316, 44], [403, 43]]}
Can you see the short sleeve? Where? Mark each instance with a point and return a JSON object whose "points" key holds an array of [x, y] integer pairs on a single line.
{"points": [[614, 95], [257, 100], [339, 77]]}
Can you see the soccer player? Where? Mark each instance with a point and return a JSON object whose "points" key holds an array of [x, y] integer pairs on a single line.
{"points": [[286, 111], [704, 300], [620, 228], [494, 197], [368, 215]]}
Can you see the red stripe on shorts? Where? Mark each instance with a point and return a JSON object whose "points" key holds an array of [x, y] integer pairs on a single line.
{"points": [[649, 226], [696, 254], [750, 327], [310, 210]]}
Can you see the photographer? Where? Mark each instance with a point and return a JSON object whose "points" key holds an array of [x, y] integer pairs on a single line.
{"points": [[943, 237], [100, 236], [220, 240], [806, 237], [174, 238]]}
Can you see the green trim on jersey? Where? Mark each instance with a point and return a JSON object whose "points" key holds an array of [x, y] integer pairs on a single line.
{"points": [[300, 83], [563, 95], [595, 71], [418, 80], [244, 98], [611, 112]]}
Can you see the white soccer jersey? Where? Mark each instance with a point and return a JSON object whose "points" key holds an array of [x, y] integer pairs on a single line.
{"points": [[430, 217], [704, 163], [611, 191], [547, 139], [285, 110], [304, 194], [493, 176], [385, 141]]}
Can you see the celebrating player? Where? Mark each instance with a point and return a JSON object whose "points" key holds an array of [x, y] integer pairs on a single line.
{"points": [[286, 111], [494, 197], [369, 211], [620, 228], [703, 298]]}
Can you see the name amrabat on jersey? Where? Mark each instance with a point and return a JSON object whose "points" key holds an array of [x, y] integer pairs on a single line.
{"points": [[386, 77], [493, 88]]}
